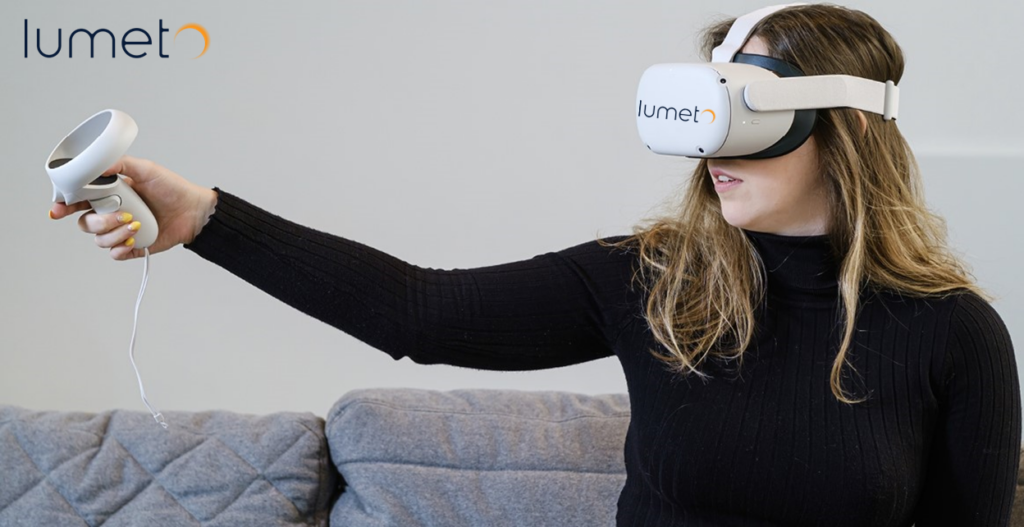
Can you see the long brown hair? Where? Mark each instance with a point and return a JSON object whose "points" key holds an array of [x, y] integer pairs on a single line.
{"points": [[704, 276]]}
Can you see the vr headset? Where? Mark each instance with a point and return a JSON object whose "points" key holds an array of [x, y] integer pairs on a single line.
{"points": [[745, 106]]}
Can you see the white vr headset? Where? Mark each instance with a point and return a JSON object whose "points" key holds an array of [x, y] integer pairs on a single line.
{"points": [[745, 106]]}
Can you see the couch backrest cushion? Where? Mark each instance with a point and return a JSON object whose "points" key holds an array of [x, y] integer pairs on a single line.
{"points": [[477, 457], [122, 468]]}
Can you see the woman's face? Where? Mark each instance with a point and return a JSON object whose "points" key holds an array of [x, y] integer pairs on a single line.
{"points": [[783, 195]]}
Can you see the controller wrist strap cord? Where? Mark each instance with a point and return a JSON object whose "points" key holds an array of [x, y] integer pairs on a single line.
{"points": [[131, 348]]}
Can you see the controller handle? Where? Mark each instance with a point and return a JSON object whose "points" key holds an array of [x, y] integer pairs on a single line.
{"points": [[89, 150]]}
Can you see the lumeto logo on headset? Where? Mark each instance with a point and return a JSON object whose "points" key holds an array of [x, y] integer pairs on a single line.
{"points": [[113, 41], [682, 114]]}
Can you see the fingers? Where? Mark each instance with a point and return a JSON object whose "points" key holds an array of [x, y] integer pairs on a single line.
{"points": [[123, 235], [94, 223], [135, 168], [115, 231], [60, 210], [112, 230], [123, 252]]}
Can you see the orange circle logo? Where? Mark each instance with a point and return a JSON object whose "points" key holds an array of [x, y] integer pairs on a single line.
{"points": [[201, 30], [712, 115]]}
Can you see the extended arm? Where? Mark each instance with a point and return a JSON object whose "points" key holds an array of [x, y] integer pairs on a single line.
{"points": [[555, 309]]}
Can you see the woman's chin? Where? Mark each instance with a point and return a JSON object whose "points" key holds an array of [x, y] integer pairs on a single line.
{"points": [[741, 221]]}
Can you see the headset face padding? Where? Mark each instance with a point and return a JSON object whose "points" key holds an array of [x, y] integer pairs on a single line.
{"points": [[803, 120]]}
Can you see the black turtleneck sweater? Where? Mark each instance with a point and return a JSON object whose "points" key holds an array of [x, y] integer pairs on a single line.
{"points": [[937, 443]]}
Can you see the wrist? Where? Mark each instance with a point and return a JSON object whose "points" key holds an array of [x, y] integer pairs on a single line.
{"points": [[207, 206]]}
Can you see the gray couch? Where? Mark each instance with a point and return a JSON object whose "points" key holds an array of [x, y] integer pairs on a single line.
{"points": [[382, 457]]}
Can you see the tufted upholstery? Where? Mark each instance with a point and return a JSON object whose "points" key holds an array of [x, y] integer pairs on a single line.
{"points": [[122, 468]]}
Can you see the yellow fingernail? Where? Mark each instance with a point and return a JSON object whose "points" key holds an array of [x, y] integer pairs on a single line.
{"points": [[51, 215], [124, 217], [134, 226], [130, 242]]}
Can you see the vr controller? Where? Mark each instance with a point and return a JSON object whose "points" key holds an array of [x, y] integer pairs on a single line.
{"points": [[743, 105], [90, 149]]}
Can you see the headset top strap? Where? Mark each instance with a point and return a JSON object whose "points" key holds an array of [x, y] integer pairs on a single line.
{"points": [[739, 32]]}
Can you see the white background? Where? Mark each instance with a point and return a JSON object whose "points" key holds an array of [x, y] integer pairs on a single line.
{"points": [[449, 134]]}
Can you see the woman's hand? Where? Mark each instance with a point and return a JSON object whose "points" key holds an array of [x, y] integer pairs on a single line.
{"points": [[180, 207]]}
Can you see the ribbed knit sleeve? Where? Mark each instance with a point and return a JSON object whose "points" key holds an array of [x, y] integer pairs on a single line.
{"points": [[555, 309], [972, 469]]}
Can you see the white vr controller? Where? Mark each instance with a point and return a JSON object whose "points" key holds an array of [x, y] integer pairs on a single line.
{"points": [[77, 162]]}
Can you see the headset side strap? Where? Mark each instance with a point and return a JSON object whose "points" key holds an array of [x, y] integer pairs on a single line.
{"points": [[823, 91]]}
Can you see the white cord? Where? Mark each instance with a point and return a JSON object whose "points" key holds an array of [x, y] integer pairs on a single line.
{"points": [[131, 349]]}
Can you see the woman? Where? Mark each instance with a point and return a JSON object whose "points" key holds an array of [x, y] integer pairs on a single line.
{"points": [[850, 371]]}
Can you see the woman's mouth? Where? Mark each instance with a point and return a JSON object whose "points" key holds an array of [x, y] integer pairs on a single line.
{"points": [[724, 181]]}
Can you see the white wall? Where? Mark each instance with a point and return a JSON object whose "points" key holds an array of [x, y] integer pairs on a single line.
{"points": [[450, 134]]}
